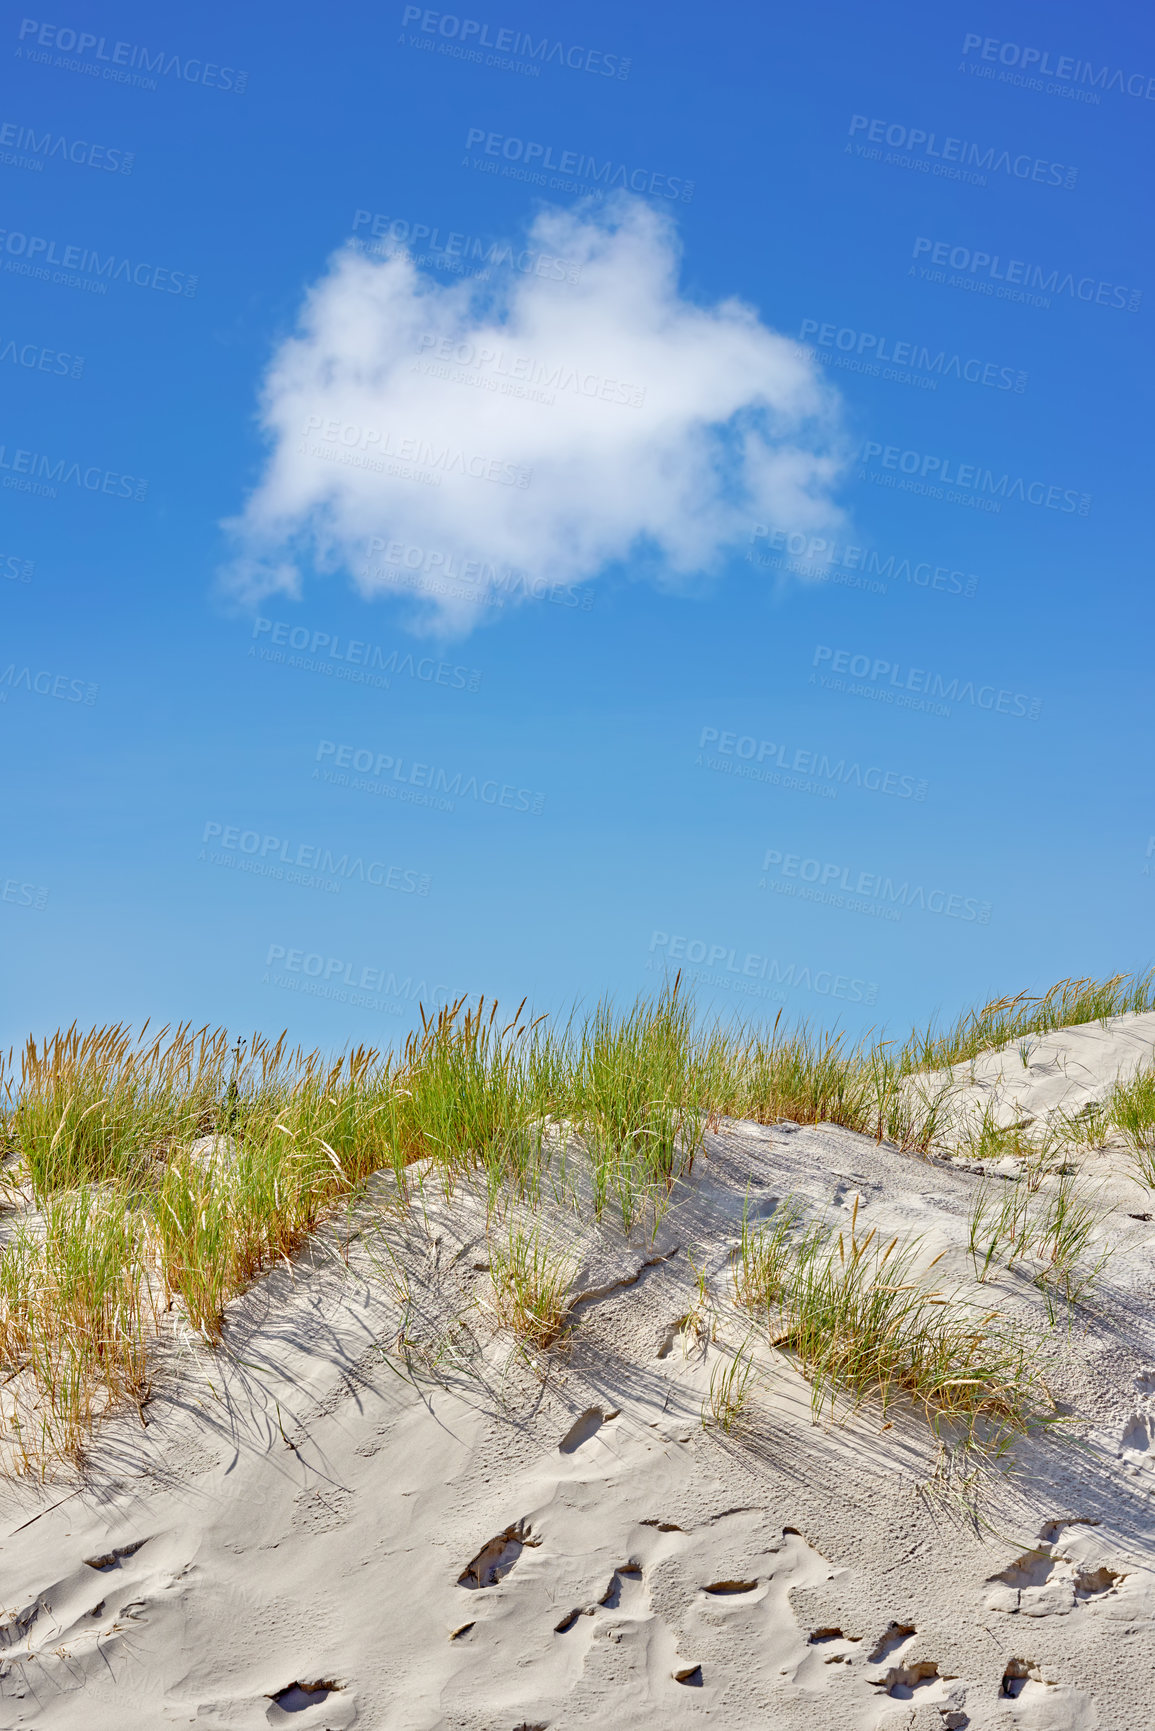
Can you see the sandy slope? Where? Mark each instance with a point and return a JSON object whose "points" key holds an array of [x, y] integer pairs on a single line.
{"points": [[1048, 1074], [449, 1541]]}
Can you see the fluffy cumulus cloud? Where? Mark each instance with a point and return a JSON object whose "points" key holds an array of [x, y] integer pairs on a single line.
{"points": [[455, 443]]}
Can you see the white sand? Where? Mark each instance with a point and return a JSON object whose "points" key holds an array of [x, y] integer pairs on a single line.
{"points": [[1046, 1075], [467, 1546]]}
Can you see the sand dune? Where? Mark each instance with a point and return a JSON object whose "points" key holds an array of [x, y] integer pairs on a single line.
{"points": [[373, 1508]]}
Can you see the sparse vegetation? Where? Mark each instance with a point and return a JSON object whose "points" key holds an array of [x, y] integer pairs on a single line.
{"points": [[531, 1284], [1005, 1020], [1015, 1222], [1089, 1127], [861, 1322], [76, 1316], [163, 1172], [983, 1137], [1064, 1229], [764, 1259], [729, 1393], [638, 1095], [1131, 1105], [998, 1224]]}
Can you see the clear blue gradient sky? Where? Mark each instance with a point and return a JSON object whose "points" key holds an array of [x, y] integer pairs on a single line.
{"points": [[861, 780]]}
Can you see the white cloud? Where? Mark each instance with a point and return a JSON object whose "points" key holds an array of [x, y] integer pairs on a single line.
{"points": [[429, 438]]}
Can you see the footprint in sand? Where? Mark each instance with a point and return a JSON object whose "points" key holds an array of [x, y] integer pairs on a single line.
{"points": [[1137, 1443], [584, 1428], [624, 1593], [922, 1682], [1044, 1583], [496, 1558], [625, 1580], [323, 1703], [113, 1559], [894, 1636], [836, 1647], [902, 1681], [1042, 1705], [73, 1625], [299, 1696]]}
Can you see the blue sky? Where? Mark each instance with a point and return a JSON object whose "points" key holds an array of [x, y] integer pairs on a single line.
{"points": [[749, 677]]}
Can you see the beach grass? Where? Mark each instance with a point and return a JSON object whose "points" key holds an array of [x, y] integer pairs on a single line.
{"points": [[1057, 1228], [160, 1173], [531, 1283], [728, 1399], [862, 1323], [1131, 1106], [1004, 1020], [76, 1317]]}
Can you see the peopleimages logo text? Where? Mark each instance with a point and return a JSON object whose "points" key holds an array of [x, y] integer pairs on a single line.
{"points": [[832, 882], [360, 977], [17, 569], [39, 359], [815, 556], [585, 168], [674, 947], [457, 250], [946, 472], [762, 758], [33, 472], [1066, 68], [471, 32], [46, 684], [920, 357], [1020, 272], [36, 253], [359, 653], [456, 360], [125, 57], [918, 142], [350, 438], [24, 895], [312, 856], [924, 680], [376, 765], [78, 150]]}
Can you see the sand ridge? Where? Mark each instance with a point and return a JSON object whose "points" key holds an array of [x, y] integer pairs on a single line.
{"points": [[372, 1508], [1046, 1075]]}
